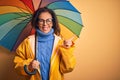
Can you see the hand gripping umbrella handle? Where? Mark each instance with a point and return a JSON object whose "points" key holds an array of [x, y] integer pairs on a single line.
{"points": [[25, 66], [30, 73]]}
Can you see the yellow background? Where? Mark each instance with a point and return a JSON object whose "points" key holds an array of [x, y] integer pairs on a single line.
{"points": [[98, 49]]}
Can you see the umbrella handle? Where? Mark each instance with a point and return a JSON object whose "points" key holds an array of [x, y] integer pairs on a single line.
{"points": [[30, 73], [25, 66]]}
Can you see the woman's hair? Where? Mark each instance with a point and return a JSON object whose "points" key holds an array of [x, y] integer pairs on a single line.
{"points": [[35, 19]]}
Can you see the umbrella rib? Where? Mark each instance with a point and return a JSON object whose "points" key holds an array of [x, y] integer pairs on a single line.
{"points": [[40, 3], [22, 16], [8, 29], [22, 10], [69, 14], [70, 19], [17, 17], [71, 30], [14, 30], [67, 9], [70, 26], [27, 20], [27, 9], [25, 15], [19, 35], [51, 6]]}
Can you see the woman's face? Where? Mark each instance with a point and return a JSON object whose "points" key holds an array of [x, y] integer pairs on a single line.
{"points": [[45, 22]]}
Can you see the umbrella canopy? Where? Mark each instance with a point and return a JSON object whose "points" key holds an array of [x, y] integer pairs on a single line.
{"points": [[15, 21], [69, 18]]}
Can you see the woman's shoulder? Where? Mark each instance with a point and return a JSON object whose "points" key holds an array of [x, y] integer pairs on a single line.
{"points": [[58, 39], [31, 36]]}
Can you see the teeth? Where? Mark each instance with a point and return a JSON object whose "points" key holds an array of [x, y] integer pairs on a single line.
{"points": [[45, 28]]}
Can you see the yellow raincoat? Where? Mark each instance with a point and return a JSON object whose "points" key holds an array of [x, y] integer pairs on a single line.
{"points": [[62, 59]]}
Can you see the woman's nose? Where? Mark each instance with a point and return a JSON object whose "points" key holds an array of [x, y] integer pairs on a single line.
{"points": [[44, 23]]}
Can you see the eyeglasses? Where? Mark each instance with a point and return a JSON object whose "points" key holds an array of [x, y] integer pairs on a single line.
{"points": [[48, 21]]}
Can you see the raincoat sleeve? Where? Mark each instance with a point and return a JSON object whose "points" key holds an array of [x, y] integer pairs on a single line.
{"points": [[22, 57], [68, 61]]}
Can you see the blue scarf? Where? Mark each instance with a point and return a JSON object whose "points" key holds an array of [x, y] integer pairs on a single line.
{"points": [[45, 46]]}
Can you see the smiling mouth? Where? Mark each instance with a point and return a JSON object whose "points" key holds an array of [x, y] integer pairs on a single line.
{"points": [[45, 28]]}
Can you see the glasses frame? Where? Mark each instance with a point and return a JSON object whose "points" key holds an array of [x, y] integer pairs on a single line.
{"points": [[47, 21]]}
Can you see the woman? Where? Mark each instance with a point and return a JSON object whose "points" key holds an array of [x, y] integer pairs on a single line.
{"points": [[54, 56]]}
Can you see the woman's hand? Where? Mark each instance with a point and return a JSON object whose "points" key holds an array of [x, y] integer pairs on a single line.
{"points": [[68, 43], [34, 65]]}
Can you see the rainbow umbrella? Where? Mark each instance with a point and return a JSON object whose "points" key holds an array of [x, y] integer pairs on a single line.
{"points": [[15, 17]]}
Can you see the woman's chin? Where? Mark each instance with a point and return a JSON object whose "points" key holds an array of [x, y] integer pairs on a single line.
{"points": [[45, 31]]}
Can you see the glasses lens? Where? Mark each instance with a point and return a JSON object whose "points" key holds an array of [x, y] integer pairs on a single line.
{"points": [[41, 21], [48, 21]]}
